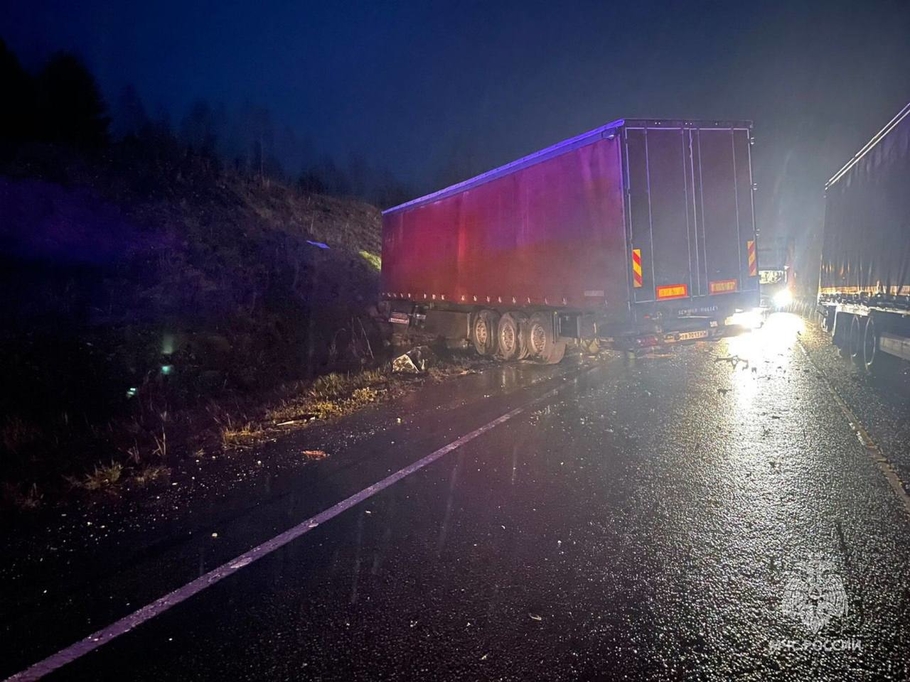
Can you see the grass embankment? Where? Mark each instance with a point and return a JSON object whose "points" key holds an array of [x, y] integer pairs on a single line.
{"points": [[332, 396], [152, 299]]}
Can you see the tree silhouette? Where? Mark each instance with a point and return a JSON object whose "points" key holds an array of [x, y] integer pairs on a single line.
{"points": [[200, 127], [325, 177], [130, 115], [389, 191], [72, 108], [17, 114], [359, 175]]}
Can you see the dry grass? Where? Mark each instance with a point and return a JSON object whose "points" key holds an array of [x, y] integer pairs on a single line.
{"points": [[103, 477], [149, 474], [332, 395], [233, 437], [27, 499], [16, 434], [216, 243], [327, 397]]}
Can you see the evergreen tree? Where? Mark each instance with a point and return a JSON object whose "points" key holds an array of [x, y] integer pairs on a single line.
{"points": [[17, 114], [72, 110], [131, 117], [199, 128]]}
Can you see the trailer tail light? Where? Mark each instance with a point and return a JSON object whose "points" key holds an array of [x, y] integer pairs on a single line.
{"points": [[636, 269], [753, 263], [668, 291]]}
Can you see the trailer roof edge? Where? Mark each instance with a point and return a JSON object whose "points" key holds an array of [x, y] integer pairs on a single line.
{"points": [[565, 146], [560, 148], [530, 159], [878, 137]]}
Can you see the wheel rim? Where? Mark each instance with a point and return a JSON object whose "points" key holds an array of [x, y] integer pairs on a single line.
{"points": [[538, 339], [507, 339], [480, 331]]}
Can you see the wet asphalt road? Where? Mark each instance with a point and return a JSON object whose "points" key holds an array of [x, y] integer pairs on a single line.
{"points": [[662, 518]]}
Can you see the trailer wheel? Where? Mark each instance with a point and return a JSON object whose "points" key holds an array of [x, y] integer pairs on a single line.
{"points": [[828, 319], [855, 340], [870, 345], [523, 350], [483, 332], [541, 341], [508, 337], [840, 331]]}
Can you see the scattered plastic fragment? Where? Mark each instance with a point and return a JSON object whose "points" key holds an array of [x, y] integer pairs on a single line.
{"points": [[415, 361], [315, 454]]}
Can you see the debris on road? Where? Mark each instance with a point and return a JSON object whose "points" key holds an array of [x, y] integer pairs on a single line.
{"points": [[404, 365], [415, 361], [315, 454], [734, 360]]}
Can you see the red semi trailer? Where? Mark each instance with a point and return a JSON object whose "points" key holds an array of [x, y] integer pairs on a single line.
{"points": [[640, 231]]}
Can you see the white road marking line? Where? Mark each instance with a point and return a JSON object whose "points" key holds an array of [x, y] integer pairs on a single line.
{"points": [[872, 449], [181, 594]]}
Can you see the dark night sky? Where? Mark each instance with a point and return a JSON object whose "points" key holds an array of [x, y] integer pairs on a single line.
{"points": [[410, 85]]}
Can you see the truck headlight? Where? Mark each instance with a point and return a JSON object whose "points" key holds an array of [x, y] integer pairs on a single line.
{"points": [[783, 298], [748, 319]]}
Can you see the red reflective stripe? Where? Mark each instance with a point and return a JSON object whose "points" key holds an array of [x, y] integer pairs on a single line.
{"points": [[636, 268]]}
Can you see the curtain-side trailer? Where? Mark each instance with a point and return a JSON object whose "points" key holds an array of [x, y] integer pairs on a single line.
{"points": [[864, 282], [640, 231]]}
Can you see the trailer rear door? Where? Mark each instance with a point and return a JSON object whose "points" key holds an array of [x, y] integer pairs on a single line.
{"points": [[689, 211]]}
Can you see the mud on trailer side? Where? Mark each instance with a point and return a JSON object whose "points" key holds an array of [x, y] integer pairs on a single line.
{"points": [[640, 232]]}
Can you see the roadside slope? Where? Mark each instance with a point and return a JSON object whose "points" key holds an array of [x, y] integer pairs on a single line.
{"points": [[148, 293]]}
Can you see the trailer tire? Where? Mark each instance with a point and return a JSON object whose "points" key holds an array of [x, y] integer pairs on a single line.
{"points": [[523, 350], [484, 327], [855, 340], [870, 345], [840, 331], [541, 341], [508, 337], [828, 320]]}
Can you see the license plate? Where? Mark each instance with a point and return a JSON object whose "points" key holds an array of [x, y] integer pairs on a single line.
{"points": [[688, 336]]}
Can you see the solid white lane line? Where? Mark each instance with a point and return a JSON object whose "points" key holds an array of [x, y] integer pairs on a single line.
{"points": [[127, 623]]}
